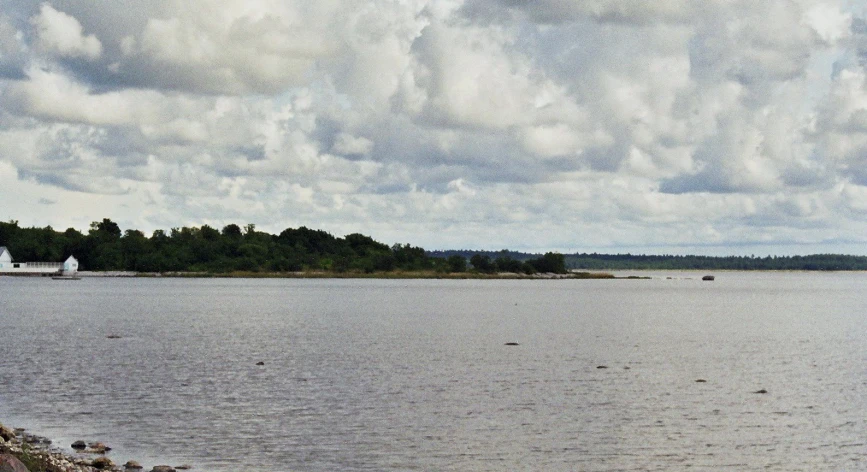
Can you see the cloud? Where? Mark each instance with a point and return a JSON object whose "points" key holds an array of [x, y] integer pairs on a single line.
{"points": [[12, 50], [608, 11], [60, 34], [351, 145], [233, 47], [449, 123], [463, 77]]}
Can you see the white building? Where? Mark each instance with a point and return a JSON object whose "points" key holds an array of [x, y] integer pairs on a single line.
{"points": [[9, 266], [70, 266]]}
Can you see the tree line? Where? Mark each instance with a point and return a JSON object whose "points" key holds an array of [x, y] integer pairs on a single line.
{"points": [[235, 249], [594, 261]]}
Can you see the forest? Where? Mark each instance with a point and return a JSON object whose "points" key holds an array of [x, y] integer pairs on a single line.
{"points": [[106, 247]]}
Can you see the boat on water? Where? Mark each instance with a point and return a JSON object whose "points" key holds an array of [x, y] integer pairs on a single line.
{"points": [[65, 277]]}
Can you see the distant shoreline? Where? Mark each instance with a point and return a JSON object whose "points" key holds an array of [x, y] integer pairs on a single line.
{"points": [[633, 274]]}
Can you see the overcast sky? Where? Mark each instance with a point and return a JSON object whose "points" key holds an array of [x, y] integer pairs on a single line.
{"points": [[671, 126]]}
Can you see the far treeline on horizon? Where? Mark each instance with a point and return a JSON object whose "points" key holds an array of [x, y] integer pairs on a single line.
{"points": [[106, 247]]}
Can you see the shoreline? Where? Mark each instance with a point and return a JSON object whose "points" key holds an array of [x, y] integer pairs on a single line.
{"points": [[39, 454], [398, 275]]}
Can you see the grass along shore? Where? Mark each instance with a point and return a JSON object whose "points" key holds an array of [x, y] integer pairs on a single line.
{"points": [[360, 275]]}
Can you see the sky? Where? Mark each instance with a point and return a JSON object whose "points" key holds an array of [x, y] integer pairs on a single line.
{"points": [[668, 127]]}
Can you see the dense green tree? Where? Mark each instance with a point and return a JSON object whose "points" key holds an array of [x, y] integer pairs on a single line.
{"points": [[407, 257], [134, 245], [507, 264], [550, 262], [232, 231], [105, 230], [482, 263], [457, 263]]}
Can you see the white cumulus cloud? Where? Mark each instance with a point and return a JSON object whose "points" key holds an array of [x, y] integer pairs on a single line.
{"points": [[61, 34]]}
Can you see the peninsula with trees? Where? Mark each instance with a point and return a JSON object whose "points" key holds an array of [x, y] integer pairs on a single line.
{"points": [[309, 252], [245, 251]]}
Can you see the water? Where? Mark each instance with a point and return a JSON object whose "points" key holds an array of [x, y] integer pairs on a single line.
{"points": [[414, 375]]}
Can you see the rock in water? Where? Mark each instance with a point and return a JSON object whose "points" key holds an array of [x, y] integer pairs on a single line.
{"points": [[260, 363], [163, 468], [10, 463], [132, 465], [98, 448], [761, 391], [511, 344], [79, 445], [102, 463]]}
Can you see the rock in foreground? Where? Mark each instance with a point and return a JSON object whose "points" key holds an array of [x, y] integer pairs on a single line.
{"points": [[6, 434], [102, 463], [9, 463]]}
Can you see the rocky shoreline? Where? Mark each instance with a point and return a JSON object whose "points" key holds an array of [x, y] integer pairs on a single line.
{"points": [[21, 451]]}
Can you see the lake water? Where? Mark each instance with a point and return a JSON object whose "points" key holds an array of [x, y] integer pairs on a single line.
{"points": [[414, 375]]}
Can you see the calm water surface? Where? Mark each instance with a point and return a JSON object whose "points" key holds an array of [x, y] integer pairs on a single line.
{"points": [[414, 375]]}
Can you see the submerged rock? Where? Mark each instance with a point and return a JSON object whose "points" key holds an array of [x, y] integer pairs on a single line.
{"points": [[511, 344], [98, 448], [260, 363], [35, 440], [132, 465], [601, 366], [10, 463], [163, 468], [79, 445], [701, 381], [761, 391]]}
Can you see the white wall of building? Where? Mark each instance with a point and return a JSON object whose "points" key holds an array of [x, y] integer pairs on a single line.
{"points": [[9, 266]]}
